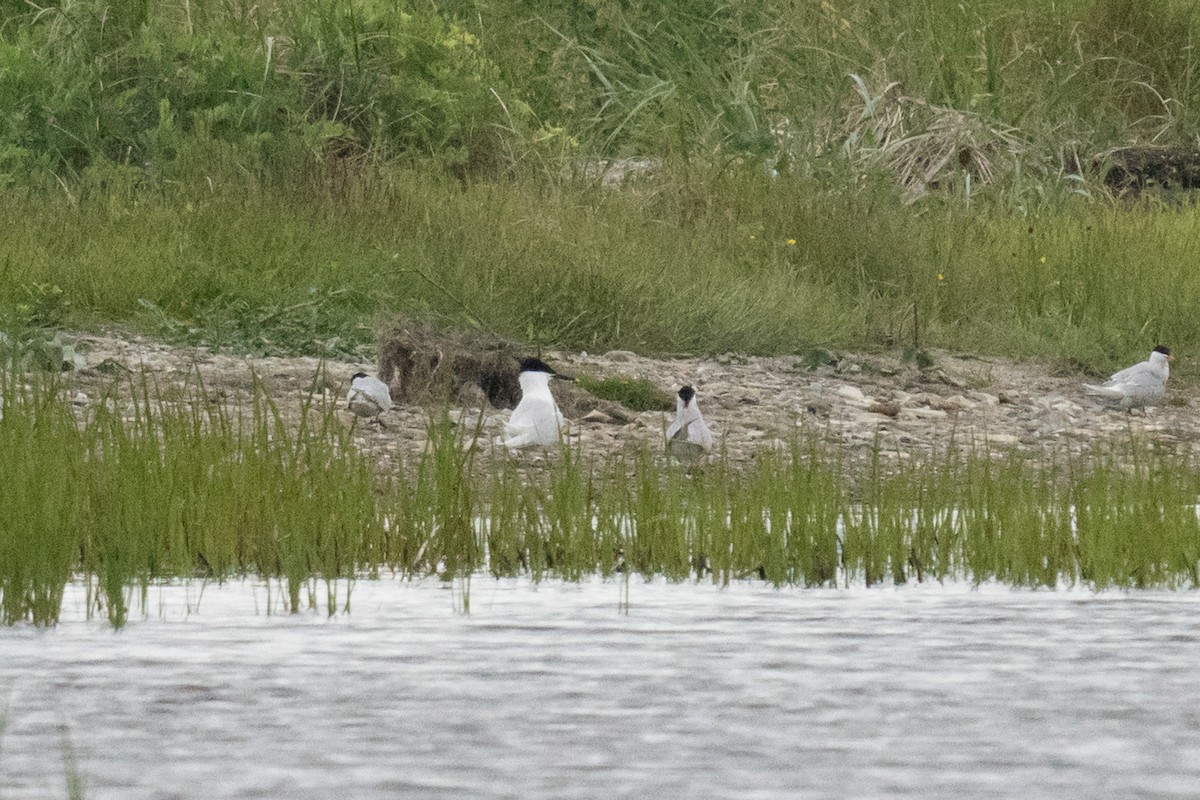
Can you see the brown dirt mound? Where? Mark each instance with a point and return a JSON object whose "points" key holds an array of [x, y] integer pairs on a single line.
{"points": [[421, 362], [1138, 168]]}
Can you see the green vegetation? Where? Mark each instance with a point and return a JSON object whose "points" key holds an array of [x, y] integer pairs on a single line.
{"points": [[164, 492], [637, 394], [271, 177], [158, 90], [289, 274], [703, 177]]}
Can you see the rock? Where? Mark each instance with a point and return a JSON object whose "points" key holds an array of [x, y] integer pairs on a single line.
{"points": [[597, 417], [853, 395], [949, 380], [620, 356], [1002, 439], [816, 408], [618, 412], [109, 366], [954, 403], [888, 409]]}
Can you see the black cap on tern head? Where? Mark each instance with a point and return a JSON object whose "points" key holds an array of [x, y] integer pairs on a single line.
{"points": [[358, 375], [686, 394], [535, 365], [1166, 351]]}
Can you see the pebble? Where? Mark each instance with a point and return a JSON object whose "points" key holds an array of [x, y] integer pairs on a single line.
{"points": [[853, 394], [755, 404]]}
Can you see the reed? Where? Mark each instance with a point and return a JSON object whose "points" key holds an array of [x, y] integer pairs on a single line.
{"points": [[144, 490]]}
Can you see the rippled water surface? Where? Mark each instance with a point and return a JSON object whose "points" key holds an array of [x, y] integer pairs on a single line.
{"points": [[552, 692]]}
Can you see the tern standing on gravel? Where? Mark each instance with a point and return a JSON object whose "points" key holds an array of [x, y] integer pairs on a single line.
{"points": [[688, 437], [368, 397], [1138, 386], [536, 419]]}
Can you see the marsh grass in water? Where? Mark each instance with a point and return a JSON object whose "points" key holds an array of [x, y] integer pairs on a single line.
{"points": [[142, 490]]}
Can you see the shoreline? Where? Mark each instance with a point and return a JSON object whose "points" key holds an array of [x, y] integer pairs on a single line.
{"points": [[863, 405]]}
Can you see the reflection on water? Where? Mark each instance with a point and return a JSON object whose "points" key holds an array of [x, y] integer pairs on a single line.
{"points": [[550, 692]]}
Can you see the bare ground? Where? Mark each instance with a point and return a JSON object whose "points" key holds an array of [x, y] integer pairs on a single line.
{"points": [[862, 403]]}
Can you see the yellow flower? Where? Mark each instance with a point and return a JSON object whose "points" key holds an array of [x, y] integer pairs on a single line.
{"points": [[752, 236], [791, 242], [941, 277], [1043, 259]]}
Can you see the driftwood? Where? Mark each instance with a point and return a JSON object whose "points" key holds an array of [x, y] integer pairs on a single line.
{"points": [[1135, 169]]}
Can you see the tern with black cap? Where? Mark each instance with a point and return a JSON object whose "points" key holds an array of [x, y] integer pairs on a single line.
{"points": [[688, 437], [1138, 386], [536, 420]]}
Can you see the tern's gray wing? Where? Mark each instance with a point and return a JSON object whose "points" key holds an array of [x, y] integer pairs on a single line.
{"points": [[364, 404], [1131, 373], [1136, 389], [1141, 388]]}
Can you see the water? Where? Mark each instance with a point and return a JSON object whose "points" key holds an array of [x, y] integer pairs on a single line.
{"points": [[551, 692]]}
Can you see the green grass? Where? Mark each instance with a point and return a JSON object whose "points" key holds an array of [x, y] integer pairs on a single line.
{"points": [[774, 267], [489, 88], [317, 165], [188, 491], [638, 394]]}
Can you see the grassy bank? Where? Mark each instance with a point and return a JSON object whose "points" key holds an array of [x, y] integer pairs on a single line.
{"points": [[165, 492], [486, 88], [761, 266], [271, 176]]}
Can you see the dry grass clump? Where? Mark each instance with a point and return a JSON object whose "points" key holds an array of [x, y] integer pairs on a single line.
{"points": [[926, 146], [421, 361]]}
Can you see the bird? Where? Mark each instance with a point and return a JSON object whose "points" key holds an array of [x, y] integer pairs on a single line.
{"points": [[368, 397], [1138, 386], [688, 438], [536, 419]]}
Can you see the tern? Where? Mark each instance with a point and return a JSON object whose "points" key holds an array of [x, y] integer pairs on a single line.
{"points": [[1138, 386], [368, 397], [688, 437], [536, 419]]}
